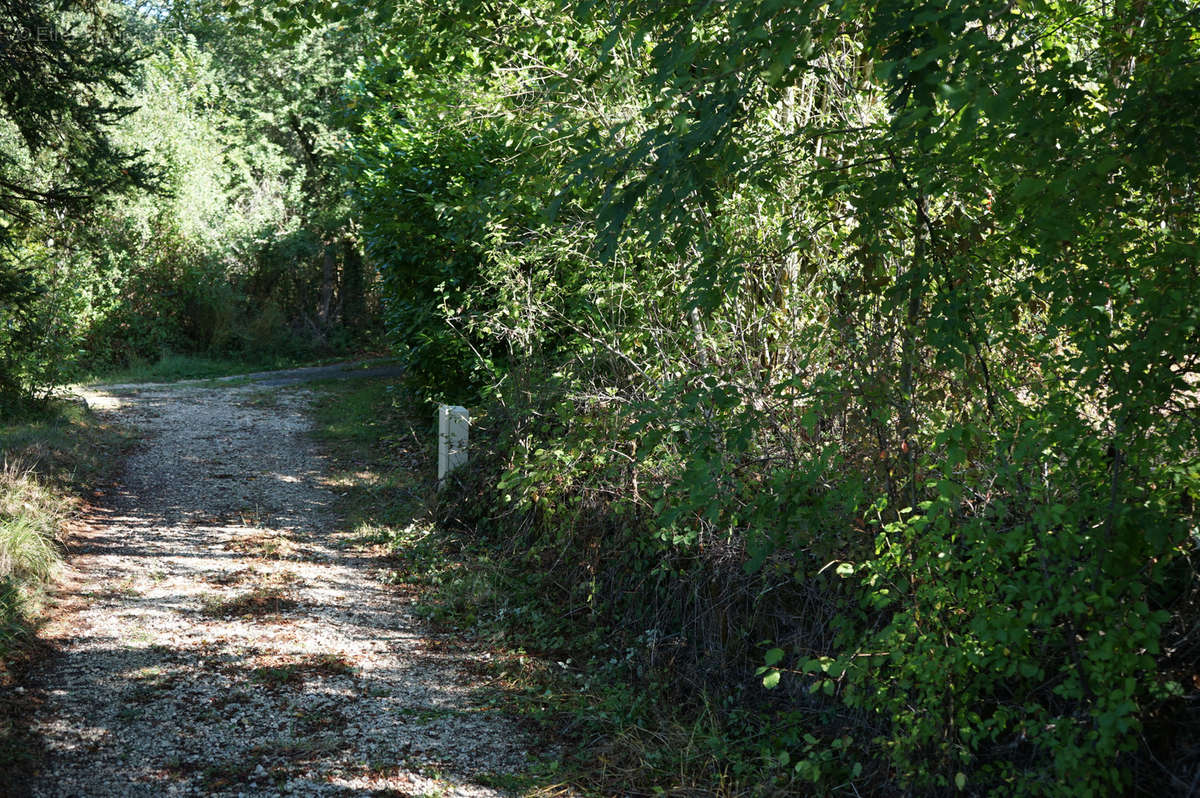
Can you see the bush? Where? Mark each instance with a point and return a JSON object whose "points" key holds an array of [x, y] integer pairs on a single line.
{"points": [[876, 345]]}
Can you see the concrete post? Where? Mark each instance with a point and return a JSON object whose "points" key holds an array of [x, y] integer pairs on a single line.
{"points": [[453, 423]]}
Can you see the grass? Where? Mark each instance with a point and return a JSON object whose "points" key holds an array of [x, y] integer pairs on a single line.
{"points": [[383, 468], [266, 544], [623, 731], [48, 463], [296, 670], [67, 447], [380, 459], [171, 368], [30, 517], [261, 600]]}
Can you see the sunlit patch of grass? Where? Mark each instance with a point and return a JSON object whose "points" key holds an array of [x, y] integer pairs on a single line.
{"points": [[31, 515], [268, 544], [172, 367]]}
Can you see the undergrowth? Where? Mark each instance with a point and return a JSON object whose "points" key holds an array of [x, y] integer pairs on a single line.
{"points": [[30, 517], [611, 716], [48, 463], [172, 367]]}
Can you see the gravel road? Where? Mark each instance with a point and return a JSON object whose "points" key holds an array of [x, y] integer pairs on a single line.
{"points": [[216, 635]]}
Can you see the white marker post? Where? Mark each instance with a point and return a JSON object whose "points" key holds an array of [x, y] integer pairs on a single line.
{"points": [[453, 423]]}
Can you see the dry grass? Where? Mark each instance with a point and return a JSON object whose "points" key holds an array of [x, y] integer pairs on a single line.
{"points": [[267, 544], [48, 464], [31, 515], [261, 600], [278, 671], [31, 518]]}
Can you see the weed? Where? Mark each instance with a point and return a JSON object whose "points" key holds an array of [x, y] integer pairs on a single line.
{"points": [[229, 577], [267, 544], [267, 398], [276, 676], [316, 721], [229, 773], [565, 678], [261, 600], [31, 513], [50, 461], [298, 749], [233, 697]]}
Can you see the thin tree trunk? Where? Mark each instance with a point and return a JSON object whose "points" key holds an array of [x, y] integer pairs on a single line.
{"points": [[328, 280], [352, 290]]}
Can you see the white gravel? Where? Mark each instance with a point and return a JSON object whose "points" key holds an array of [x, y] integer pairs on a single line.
{"points": [[162, 688]]}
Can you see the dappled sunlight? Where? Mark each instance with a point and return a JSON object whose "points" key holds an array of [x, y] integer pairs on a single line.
{"points": [[101, 401], [215, 608]]}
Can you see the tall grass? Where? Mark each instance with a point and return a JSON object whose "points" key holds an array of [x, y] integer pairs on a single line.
{"points": [[31, 518], [47, 462]]}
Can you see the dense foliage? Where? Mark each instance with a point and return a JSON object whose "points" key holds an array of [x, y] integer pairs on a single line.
{"points": [[835, 363], [869, 330], [65, 71], [171, 184]]}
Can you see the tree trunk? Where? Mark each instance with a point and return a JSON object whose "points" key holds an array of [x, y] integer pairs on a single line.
{"points": [[354, 308], [328, 280]]}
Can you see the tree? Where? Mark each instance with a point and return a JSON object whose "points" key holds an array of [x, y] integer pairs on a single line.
{"points": [[64, 68], [283, 69]]}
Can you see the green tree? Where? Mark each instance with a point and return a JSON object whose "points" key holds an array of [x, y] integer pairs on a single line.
{"points": [[904, 289], [64, 69], [283, 70]]}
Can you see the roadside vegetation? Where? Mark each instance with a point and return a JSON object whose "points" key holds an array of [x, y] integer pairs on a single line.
{"points": [[173, 367], [833, 367], [31, 518], [569, 683], [52, 465], [171, 201]]}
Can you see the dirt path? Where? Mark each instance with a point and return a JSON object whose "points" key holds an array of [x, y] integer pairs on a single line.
{"points": [[215, 639]]}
